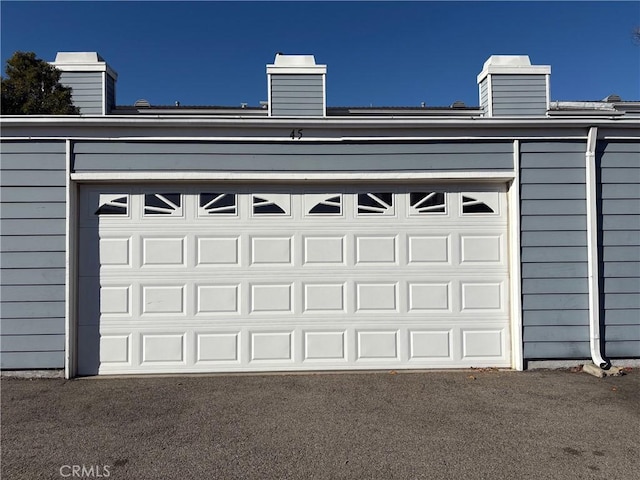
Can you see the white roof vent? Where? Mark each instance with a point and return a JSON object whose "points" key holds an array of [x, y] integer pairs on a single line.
{"points": [[612, 98], [142, 103]]}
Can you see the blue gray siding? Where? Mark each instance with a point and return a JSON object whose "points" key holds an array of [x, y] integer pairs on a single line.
{"points": [[87, 91], [291, 156], [484, 96], [554, 250], [518, 95], [297, 95], [620, 251], [32, 246]]}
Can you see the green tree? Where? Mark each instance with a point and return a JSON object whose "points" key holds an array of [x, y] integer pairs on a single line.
{"points": [[31, 87]]}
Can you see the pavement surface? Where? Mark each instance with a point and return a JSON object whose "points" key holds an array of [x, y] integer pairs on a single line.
{"points": [[472, 424]]}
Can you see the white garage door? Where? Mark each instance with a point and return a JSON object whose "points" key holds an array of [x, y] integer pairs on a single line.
{"points": [[213, 279]]}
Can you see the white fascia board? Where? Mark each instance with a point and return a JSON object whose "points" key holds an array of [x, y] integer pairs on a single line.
{"points": [[124, 176], [309, 70], [513, 70], [346, 121]]}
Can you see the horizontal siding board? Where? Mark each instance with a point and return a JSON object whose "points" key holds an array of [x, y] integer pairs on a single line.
{"points": [[622, 285], [619, 146], [33, 260], [556, 254], [357, 163], [297, 96], [289, 148], [553, 207], [32, 147], [555, 285], [617, 333], [33, 226], [620, 191], [622, 349], [621, 222], [556, 350], [553, 239], [32, 276], [620, 238], [623, 207], [622, 316], [622, 159], [555, 301], [621, 254], [620, 269], [621, 175], [516, 111], [546, 176], [28, 326], [554, 160], [277, 79], [31, 343], [32, 161], [564, 333], [510, 79], [275, 89], [33, 310], [556, 222], [33, 293], [31, 360], [32, 210], [621, 301], [297, 113], [510, 90], [554, 270], [43, 178], [30, 243], [555, 317], [551, 148], [32, 194], [559, 192]]}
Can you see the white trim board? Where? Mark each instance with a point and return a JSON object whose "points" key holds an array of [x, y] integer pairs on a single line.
{"points": [[304, 140], [119, 176]]}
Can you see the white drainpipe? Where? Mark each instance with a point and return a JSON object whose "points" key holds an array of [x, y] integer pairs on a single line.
{"points": [[592, 252]]}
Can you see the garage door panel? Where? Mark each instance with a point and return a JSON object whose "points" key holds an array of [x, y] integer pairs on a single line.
{"points": [[212, 348], [217, 251], [431, 344], [163, 251], [200, 278]]}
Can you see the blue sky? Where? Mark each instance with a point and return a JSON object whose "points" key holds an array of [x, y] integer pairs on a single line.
{"points": [[378, 53]]}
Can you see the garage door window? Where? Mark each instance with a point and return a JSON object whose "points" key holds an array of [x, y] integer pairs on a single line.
{"points": [[425, 203], [163, 204], [217, 204], [375, 204], [113, 204]]}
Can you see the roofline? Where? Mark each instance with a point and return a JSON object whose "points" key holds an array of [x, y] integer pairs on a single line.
{"points": [[402, 121]]}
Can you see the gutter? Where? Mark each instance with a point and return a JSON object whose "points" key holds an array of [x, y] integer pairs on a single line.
{"points": [[593, 259]]}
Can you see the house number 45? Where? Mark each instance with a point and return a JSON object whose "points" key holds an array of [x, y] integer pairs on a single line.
{"points": [[296, 134]]}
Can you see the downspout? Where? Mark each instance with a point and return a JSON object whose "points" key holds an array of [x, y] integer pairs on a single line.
{"points": [[593, 259]]}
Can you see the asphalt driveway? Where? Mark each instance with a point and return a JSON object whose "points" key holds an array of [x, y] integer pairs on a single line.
{"points": [[482, 424]]}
